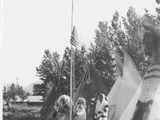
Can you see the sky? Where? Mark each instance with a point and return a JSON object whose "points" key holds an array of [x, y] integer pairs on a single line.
{"points": [[28, 27]]}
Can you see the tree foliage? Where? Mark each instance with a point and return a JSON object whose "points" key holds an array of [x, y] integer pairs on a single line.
{"points": [[12, 91], [55, 73], [39, 89]]}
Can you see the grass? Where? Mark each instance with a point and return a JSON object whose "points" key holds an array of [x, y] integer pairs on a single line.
{"points": [[22, 112]]}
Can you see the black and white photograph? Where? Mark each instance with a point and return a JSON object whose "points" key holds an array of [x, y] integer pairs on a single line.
{"points": [[80, 60]]}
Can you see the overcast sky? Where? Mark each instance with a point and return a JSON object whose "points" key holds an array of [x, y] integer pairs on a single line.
{"points": [[30, 26]]}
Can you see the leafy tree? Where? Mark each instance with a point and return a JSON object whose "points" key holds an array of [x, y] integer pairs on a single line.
{"points": [[56, 72], [101, 55], [50, 70], [135, 45], [21, 92], [5, 95], [124, 32], [14, 90], [39, 89]]}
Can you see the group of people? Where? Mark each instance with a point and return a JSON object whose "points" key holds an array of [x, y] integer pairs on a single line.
{"points": [[63, 104]]}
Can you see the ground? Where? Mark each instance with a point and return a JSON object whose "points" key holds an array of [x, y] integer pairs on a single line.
{"points": [[21, 112]]}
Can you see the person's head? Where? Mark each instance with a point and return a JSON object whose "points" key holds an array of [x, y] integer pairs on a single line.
{"points": [[63, 104], [81, 102], [80, 109]]}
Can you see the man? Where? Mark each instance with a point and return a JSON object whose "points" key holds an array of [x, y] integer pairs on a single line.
{"points": [[146, 104]]}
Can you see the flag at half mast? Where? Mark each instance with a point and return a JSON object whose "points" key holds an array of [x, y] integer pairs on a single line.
{"points": [[74, 37]]}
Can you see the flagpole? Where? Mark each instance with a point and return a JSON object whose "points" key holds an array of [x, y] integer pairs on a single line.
{"points": [[72, 60]]}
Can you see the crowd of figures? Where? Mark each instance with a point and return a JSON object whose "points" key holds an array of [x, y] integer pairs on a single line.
{"points": [[63, 104]]}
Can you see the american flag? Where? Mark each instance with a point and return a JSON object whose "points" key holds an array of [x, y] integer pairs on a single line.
{"points": [[74, 37]]}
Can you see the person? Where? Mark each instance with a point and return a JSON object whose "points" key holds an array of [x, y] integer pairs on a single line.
{"points": [[101, 107], [80, 109], [148, 107], [62, 108]]}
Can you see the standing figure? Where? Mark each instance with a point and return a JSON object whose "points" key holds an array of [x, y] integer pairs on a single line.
{"points": [[80, 109], [148, 107], [101, 107], [62, 108]]}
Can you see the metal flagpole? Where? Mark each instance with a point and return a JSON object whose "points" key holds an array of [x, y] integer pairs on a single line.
{"points": [[72, 57], [2, 2]]}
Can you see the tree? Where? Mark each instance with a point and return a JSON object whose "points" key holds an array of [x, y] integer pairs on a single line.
{"points": [[12, 91], [21, 92], [39, 89], [135, 45], [124, 32], [6, 96], [51, 70], [100, 54], [55, 72]]}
